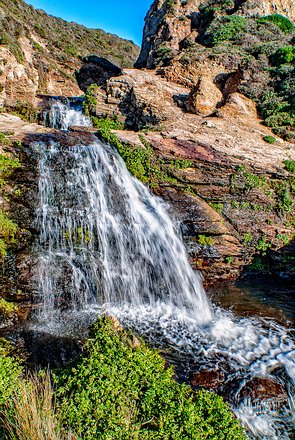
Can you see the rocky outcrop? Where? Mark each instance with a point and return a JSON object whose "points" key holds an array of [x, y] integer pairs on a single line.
{"points": [[95, 70], [265, 7], [171, 25]]}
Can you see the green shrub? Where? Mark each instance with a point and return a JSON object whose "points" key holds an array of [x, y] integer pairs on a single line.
{"points": [[121, 390], [90, 101], [205, 241], [269, 139], [228, 28], [10, 371], [138, 160], [290, 165], [282, 22], [263, 245], [284, 55]]}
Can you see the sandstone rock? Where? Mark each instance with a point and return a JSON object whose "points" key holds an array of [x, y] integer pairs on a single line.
{"points": [[238, 106], [204, 98]]}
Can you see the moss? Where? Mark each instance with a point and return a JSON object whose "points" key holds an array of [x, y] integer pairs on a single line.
{"points": [[7, 308], [205, 240]]}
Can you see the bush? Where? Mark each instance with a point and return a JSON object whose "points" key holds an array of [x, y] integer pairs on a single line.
{"points": [[269, 139], [10, 371], [282, 22], [284, 55], [122, 390], [290, 165], [229, 28]]}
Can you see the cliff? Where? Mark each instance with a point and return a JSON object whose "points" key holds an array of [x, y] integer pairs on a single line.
{"points": [[170, 22], [216, 113]]}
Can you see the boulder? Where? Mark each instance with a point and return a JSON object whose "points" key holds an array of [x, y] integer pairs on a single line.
{"points": [[204, 98]]}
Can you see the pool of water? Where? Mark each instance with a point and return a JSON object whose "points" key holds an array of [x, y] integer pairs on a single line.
{"points": [[258, 296]]}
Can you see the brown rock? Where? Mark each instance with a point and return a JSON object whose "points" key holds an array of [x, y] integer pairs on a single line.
{"points": [[264, 389], [208, 379], [204, 97], [238, 106]]}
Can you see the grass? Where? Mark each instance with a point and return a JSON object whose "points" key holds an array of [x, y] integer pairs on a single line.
{"points": [[34, 415]]}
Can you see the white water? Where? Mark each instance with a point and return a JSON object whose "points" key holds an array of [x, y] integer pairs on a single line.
{"points": [[61, 116], [107, 245]]}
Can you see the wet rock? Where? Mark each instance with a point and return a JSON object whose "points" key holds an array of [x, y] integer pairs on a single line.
{"points": [[263, 389], [208, 379]]}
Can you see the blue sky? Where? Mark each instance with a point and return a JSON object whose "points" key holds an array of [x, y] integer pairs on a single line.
{"points": [[124, 18]]}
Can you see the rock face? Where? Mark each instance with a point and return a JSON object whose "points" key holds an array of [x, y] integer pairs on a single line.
{"points": [[170, 24], [95, 70], [265, 7]]}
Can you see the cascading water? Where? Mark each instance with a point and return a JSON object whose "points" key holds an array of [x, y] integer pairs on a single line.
{"points": [[61, 116], [104, 238], [107, 244]]}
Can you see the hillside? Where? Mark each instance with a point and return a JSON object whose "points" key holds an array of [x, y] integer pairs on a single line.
{"points": [[40, 53]]}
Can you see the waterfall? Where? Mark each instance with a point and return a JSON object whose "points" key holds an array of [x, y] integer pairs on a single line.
{"points": [[62, 116], [106, 244], [104, 239]]}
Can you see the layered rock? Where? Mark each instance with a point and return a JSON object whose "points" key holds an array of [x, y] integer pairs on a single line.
{"points": [[217, 172]]}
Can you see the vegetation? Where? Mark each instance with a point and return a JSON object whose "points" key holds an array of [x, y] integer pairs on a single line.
{"points": [[58, 47], [205, 240], [290, 165], [282, 22], [33, 416], [8, 230], [89, 102], [119, 389], [269, 139], [227, 28], [261, 48], [140, 161]]}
